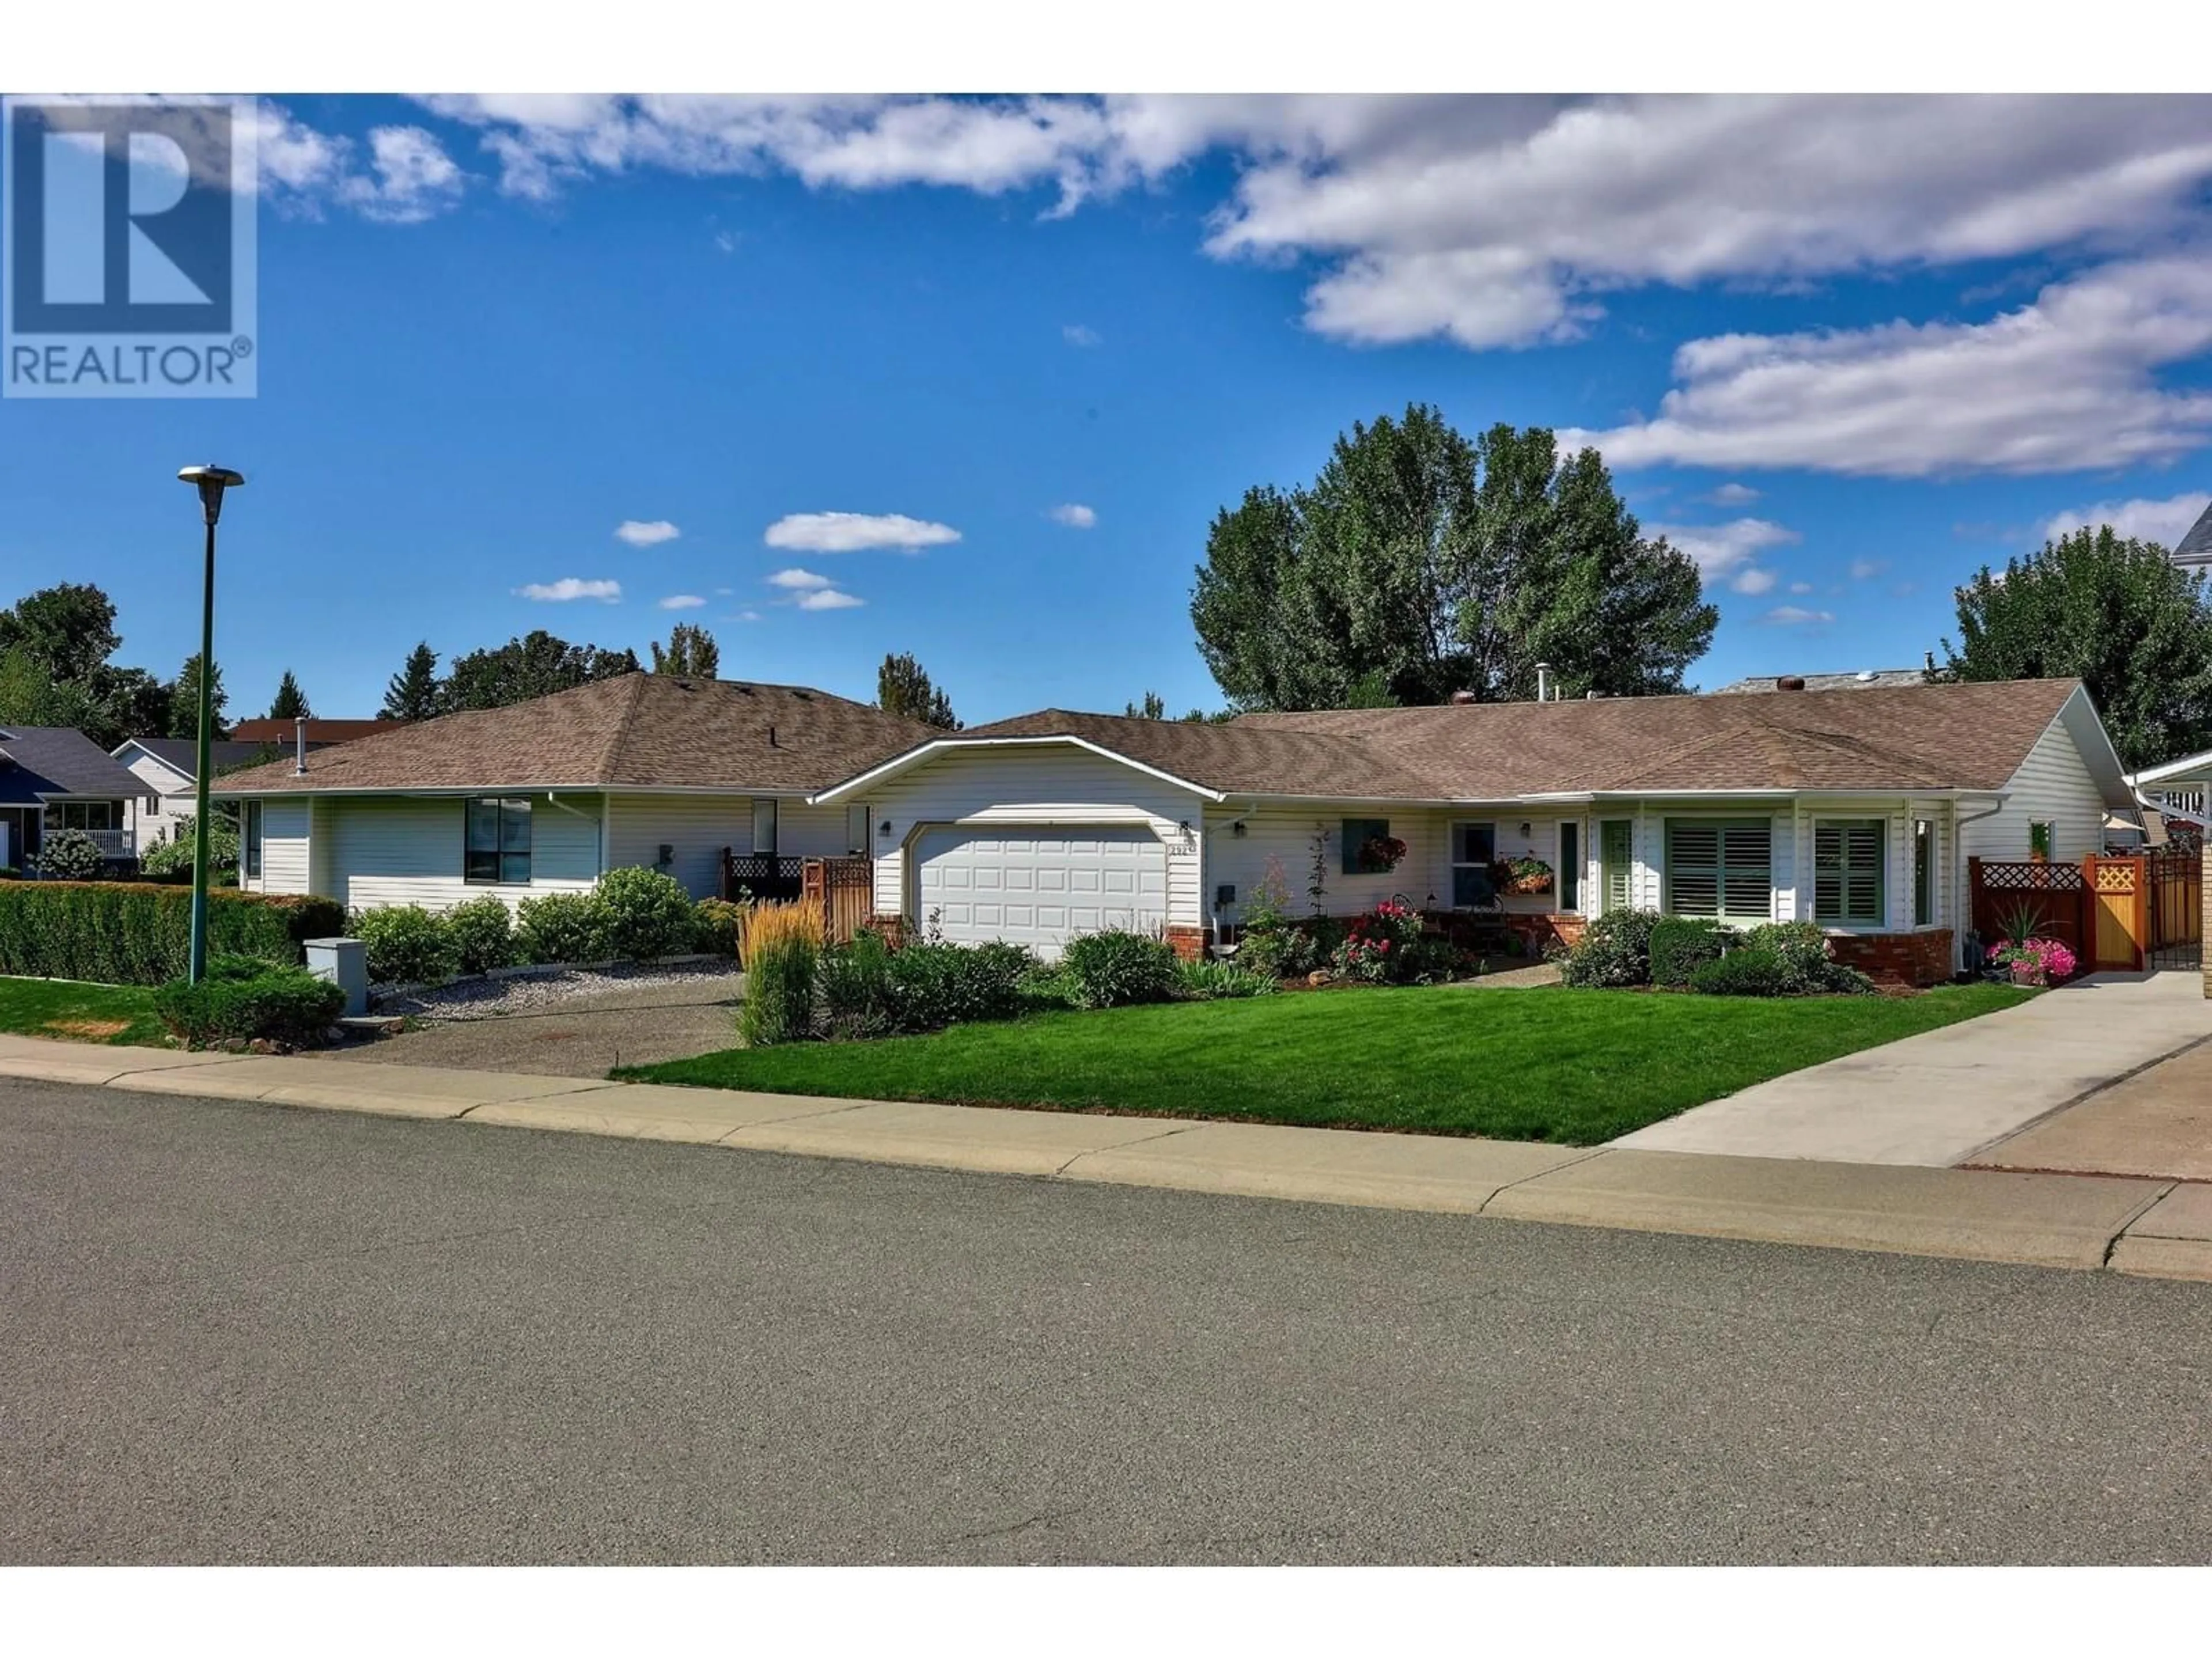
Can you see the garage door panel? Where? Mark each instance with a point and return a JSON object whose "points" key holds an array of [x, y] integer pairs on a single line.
{"points": [[1041, 890]]}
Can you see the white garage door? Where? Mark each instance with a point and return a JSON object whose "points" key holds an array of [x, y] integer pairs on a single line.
{"points": [[1040, 888]]}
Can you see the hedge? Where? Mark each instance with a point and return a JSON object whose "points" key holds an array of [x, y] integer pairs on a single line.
{"points": [[135, 932]]}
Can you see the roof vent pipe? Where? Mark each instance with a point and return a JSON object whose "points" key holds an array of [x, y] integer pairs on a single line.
{"points": [[1790, 683], [300, 746], [1543, 682]]}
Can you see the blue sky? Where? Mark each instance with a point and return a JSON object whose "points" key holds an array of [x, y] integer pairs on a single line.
{"points": [[1845, 351]]}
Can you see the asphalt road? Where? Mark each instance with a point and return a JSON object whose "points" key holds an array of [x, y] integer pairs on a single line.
{"points": [[237, 1333]]}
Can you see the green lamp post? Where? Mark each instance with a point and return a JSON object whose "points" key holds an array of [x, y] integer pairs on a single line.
{"points": [[211, 481]]}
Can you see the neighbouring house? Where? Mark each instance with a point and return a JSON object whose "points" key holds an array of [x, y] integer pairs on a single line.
{"points": [[2194, 551], [545, 796], [2178, 793], [274, 729], [1855, 809], [54, 777], [167, 770], [1861, 680]]}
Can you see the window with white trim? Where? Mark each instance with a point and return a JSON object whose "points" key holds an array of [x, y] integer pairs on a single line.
{"points": [[1848, 884], [1721, 868]]}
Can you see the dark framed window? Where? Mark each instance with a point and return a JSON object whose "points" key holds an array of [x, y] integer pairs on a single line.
{"points": [[1848, 889], [498, 845], [250, 839], [1720, 869], [856, 828], [1569, 880], [1924, 872], [764, 825], [1356, 833], [1474, 851]]}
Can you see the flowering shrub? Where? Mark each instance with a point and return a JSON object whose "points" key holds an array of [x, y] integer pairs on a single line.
{"points": [[1379, 947], [2035, 961]]}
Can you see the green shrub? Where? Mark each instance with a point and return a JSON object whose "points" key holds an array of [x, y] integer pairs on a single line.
{"points": [[1749, 970], [1202, 981], [481, 933], [1117, 967], [172, 860], [1680, 944], [855, 984], [244, 999], [779, 1002], [407, 944], [1614, 950], [121, 932], [715, 926], [561, 927], [936, 985], [646, 914], [1808, 970], [70, 856]]}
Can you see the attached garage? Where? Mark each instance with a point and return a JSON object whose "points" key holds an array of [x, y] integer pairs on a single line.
{"points": [[1040, 887]]}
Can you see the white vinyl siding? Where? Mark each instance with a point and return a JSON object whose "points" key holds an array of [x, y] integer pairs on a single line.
{"points": [[397, 850], [2054, 785], [694, 828], [170, 791], [286, 865], [1045, 788]]}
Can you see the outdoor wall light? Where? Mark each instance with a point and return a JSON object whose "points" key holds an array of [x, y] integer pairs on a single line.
{"points": [[1524, 828], [1237, 828], [884, 828]]}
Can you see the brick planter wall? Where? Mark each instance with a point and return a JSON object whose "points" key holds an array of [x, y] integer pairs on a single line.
{"points": [[1188, 943], [1917, 959]]}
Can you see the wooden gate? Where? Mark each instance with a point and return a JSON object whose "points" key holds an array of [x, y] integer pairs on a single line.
{"points": [[2118, 914], [844, 888]]}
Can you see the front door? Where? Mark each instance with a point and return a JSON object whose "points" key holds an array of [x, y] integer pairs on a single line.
{"points": [[1616, 858]]}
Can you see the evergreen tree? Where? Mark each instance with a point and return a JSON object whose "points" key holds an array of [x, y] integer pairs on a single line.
{"points": [[184, 702], [290, 703], [691, 652], [903, 688], [415, 693], [1154, 708]]}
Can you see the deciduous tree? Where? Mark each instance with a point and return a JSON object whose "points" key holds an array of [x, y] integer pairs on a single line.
{"points": [[691, 652]]}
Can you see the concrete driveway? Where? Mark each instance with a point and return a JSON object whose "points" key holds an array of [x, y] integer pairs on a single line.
{"points": [[640, 1024], [2158, 1122], [1944, 1096]]}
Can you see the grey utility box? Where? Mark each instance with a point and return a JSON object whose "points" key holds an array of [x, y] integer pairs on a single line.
{"points": [[344, 962]]}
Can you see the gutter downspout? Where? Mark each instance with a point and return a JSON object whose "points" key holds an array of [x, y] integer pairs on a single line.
{"points": [[1962, 895]]}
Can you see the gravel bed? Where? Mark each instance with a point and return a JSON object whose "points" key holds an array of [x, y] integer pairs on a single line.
{"points": [[536, 990]]}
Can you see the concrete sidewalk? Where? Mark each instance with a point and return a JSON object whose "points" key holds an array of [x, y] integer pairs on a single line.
{"points": [[2146, 1226], [1938, 1098]]}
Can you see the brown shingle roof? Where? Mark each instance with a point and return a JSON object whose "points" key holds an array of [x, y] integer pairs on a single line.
{"points": [[1912, 737], [635, 730]]}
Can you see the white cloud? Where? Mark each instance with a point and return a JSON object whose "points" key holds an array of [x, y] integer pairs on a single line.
{"points": [[828, 599], [799, 580], [2165, 522], [571, 588], [849, 532], [1074, 515], [2062, 384], [1733, 494], [1801, 588], [1723, 552], [1868, 569], [410, 177], [681, 602], [1752, 580], [749, 615], [1794, 616], [645, 533], [1491, 221], [1080, 334]]}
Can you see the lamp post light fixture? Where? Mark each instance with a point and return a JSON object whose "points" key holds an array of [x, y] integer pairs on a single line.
{"points": [[211, 481]]}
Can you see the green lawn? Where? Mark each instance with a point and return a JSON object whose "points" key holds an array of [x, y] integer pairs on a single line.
{"points": [[1572, 1066], [88, 1013]]}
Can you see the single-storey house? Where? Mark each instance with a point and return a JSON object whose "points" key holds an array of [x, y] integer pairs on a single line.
{"points": [[54, 777], [548, 795], [1856, 809], [167, 769]]}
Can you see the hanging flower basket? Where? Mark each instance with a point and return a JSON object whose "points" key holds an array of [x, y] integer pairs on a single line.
{"points": [[1523, 876], [1380, 855]]}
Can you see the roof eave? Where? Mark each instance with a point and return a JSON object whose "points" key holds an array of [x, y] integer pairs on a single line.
{"points": [[898, 765]]}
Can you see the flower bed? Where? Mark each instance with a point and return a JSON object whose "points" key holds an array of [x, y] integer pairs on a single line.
{"points": [[2034, 962]]}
